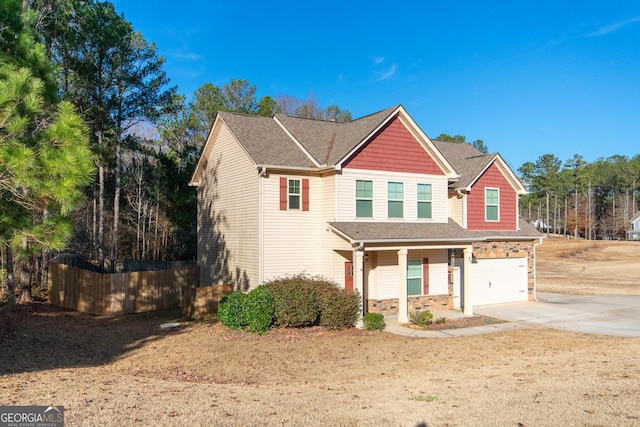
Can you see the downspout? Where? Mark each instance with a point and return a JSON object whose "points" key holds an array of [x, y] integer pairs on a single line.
{"points": [[261, 174]]}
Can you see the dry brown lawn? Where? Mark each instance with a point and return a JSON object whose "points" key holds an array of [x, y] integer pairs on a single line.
{"points": [[593, 267], [128, 371]]}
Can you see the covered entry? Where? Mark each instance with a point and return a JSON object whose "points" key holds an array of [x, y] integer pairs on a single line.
{"points": [[499, 280]]}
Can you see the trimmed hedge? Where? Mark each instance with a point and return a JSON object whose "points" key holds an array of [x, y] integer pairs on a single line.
{"points": [[258, 310], [339, 309], [294, 301], [304, 300], [231, 310]]}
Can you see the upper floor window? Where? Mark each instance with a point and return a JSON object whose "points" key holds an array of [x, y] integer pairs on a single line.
{"points": [[424, 200], [294, 194], [492, 204], [364, 199], [395, 197]]}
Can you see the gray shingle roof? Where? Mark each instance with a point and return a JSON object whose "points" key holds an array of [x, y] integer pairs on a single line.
{"points": [[265, 141], [328, 142], [425, 232], [465, 159]]}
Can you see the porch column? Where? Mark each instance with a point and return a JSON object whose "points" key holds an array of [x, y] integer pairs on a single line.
{"points": [[468, 253], [403, 311], [358, 276]]}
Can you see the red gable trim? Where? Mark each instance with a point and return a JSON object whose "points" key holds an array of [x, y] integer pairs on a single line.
{"points": [[394, 149], [492, 178]]}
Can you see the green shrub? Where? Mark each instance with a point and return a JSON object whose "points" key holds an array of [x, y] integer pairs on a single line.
{"points": [[339, 309], [373, 321], [258, 310], [231, 310], [441, 320], [304, 300], [294, 301], [421, 318]]}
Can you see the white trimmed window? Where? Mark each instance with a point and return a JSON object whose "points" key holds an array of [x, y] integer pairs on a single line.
{"points": [[294, 194], [364, 199], [424, 201], [492, 204], [414, 277], [395, 199]]}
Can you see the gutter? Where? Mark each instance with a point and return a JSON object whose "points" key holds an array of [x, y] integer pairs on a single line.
{"points": [[323, 168]]}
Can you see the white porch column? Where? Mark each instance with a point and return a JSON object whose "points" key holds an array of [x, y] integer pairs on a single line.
{"points": [[403, 309], [468, 253], [358, 273]]}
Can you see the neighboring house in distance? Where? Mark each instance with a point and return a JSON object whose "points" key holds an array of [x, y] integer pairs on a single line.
{"points": [[634, 231], [372, 204]]}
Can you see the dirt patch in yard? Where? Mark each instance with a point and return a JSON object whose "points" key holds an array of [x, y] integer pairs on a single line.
{"points": [[130, 371]]}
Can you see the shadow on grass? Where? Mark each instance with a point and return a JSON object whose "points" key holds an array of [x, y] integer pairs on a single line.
{"points": [[39, 337]]}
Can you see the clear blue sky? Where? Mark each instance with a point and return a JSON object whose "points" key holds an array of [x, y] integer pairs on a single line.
{"points": [[528, 78]]}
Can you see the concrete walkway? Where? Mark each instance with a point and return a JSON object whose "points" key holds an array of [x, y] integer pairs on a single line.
{"points": [[616, 315]]}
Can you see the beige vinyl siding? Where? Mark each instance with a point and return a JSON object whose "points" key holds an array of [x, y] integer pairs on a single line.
{"points": [[372, 274], [438, 269], [292, 238], [456, 208], [335, 250], [387, 274], [228, 215], [346, 206]]}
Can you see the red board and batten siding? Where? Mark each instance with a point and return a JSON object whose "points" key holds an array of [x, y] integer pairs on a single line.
{"points": [[491, 178], [394, 149]]}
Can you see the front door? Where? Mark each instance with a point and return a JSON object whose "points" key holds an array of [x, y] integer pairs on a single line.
{"points": [[348, 276]]}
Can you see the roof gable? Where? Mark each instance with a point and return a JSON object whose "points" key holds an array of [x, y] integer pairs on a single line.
{"points": [[471, 163], [394, 149], [328, 142]]}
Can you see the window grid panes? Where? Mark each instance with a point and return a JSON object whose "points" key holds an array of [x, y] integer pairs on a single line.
{"points": [[424, 200], [294, 194], [395, 196], [491, 204], [414, 277], [364, 199]]}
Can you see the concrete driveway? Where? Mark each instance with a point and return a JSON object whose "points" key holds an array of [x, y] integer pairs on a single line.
{"points": [[617, 315]]}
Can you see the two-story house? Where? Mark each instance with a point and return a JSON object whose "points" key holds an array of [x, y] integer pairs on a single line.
{"points": [[373, 204]]}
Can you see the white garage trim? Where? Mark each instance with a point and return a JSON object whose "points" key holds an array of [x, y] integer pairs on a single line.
{"points": [[499, 280]]}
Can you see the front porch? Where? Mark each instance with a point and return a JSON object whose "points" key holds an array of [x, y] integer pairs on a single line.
{"points": [[400, 280]]}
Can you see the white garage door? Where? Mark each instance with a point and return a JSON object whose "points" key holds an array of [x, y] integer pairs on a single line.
{"points": [[498, 281]]}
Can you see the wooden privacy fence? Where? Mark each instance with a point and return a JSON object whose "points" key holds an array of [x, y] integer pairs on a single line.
{"points": [[118, 293], [200, 303]]}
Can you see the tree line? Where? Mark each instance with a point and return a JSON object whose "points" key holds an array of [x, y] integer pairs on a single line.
{"points": [[96, 146], [594, 200]]}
